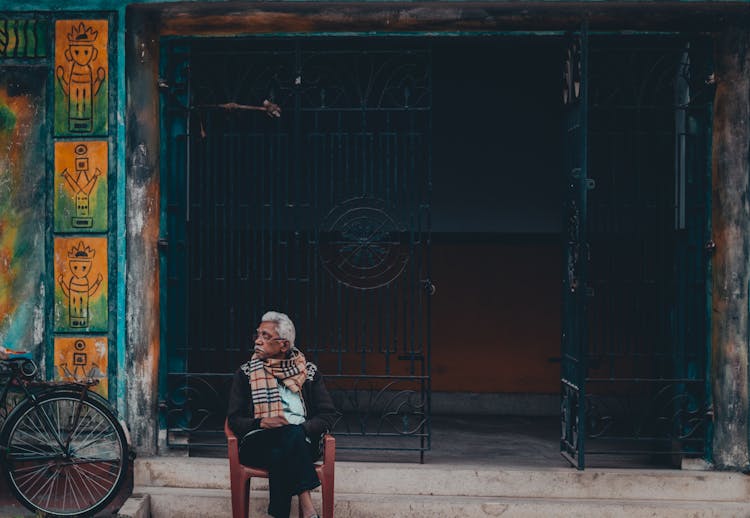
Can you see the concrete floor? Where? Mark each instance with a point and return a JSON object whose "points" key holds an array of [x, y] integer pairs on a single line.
{"points": [[493, 441], [477, 441]]}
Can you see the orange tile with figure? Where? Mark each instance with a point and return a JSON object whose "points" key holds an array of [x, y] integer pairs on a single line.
{"points": [[82, 357], [81, 77], [81, 186], [81, 286]]}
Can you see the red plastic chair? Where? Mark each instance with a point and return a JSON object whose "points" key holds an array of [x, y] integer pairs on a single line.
{"points": [[240, 475]]}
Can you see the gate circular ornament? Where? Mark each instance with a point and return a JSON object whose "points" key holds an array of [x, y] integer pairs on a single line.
{"points": [[362, 245]]}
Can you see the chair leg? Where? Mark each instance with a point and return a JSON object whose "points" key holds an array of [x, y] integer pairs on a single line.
{"points": [[326, 488], [241, 500]]}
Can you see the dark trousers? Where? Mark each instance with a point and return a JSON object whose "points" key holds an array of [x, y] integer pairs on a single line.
{"points": [[288, 457]]}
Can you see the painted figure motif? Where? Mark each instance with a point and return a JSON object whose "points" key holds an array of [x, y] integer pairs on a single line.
{"points": [[78, 290], [81, 367], [82, 185], [81, 86]]}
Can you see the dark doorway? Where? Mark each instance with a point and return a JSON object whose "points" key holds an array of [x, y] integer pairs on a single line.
{"points": [[402, 167], [496, 223]]}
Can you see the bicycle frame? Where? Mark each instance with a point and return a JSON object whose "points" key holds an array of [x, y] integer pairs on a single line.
{"points": [[32, 388]]}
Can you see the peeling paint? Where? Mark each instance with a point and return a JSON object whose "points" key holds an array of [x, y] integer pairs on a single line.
{"points": [[731, 231], [39, 316], [22, 175]]}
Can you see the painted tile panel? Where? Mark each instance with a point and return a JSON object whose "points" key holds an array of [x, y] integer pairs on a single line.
{"points": [[22, 193], [82, 76], [23, 37], [81, 287], [81, 186], [82, 357]]}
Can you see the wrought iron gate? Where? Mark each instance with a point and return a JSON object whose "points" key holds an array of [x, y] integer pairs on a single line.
{"points": [[636, 293], [575, 253], [323, 213]]}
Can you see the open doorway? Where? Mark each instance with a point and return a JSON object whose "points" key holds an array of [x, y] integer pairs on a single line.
{"points": [[496, 209], [446, 171]]}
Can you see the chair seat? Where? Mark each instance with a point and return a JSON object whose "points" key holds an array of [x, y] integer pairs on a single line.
{"points": [[241, 475]]}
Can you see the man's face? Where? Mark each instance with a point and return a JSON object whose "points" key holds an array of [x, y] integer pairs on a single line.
{"points": [[268, 344]]}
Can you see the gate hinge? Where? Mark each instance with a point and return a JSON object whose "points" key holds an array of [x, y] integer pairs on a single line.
{"points": [[710, 246], [590, 184], [428, 287], [162, 245]]}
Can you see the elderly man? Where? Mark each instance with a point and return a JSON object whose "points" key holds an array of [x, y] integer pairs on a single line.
{"points": [[279, 408]]}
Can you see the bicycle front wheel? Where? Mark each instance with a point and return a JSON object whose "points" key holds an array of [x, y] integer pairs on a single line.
{"points": [[64, 456]]}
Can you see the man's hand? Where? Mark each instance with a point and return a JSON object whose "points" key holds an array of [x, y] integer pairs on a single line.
{"points": [[273, 422]]}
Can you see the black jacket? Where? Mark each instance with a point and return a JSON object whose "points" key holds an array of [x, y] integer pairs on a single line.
{"points": [[321, 414]]}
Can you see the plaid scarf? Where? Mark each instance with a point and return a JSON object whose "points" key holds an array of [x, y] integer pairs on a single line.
{"points": [[264, 386]]}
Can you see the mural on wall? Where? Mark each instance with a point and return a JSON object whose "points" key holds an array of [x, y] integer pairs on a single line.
{"points": [[22, 193], [81, 284], [82, 357], [81, 186], [81, 72], [23, 37]]}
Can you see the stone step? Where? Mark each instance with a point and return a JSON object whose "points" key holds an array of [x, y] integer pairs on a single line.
{"points": [[450, 480], [167, 502]]}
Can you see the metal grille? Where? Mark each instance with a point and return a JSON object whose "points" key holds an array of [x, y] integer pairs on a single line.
{"points": [[643, 381], [323, 214]]}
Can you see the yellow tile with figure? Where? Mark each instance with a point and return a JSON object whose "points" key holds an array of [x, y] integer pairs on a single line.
{"points": [[81, 186], [81, 77], [81, 287], [82, 357]]}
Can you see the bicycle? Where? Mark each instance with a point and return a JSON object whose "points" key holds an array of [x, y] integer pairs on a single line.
{"points": [[63, 451]]}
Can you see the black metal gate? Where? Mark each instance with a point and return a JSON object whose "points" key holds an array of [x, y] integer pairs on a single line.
{"points": [[636, 294], [323, 213], [575, 250]]}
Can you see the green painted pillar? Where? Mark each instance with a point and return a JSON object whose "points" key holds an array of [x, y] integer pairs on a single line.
{"points": [[731, 233]]}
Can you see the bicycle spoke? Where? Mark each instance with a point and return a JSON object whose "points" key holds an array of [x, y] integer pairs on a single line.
{"points": [[101, 441], [100, 423], [73, 493], [81, 420], [54, 430], [30, 477], [97, 481], [47, 483], [82, 474], [39, 428], [79, 461]]}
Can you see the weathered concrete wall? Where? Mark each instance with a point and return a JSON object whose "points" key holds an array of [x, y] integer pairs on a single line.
{"points": [[22, 192], [731, 233], [142, 142]]}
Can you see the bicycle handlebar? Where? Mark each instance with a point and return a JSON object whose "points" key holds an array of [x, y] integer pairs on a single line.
{"points": [[28, 368], [18, 355]]}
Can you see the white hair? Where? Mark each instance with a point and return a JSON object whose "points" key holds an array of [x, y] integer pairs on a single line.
{"points": [[284, 325]]}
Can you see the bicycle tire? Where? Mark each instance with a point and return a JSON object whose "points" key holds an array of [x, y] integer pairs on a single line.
{"points": [[74, 482]]}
